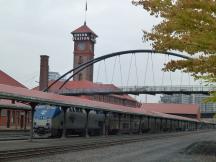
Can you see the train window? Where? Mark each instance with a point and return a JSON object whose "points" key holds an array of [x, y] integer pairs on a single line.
{"points": [[72, 109], [78, 110]]}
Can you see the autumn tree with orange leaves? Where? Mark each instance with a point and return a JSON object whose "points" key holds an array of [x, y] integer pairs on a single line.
{"points": [[186, 26]]}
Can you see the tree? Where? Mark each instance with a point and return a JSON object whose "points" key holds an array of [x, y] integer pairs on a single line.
{"points": [[186, 26]]}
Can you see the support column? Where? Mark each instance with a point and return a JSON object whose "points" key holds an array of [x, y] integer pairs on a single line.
{"points": [[0, 118], [104, 124], [86, 124], [170, 124], [64, 109], [119, 123], [155, 123], [166, 126], [148, 122], [161, 124], [178, 125], [140, 124], [131, 124], [25, 119], [33, 105], [196, 126], [8, 118]]}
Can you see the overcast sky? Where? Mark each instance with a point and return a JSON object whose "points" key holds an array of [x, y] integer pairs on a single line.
{"points": [[32, 28]]}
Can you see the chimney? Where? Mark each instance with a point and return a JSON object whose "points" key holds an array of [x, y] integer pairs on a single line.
{"points": [[44, 70]]}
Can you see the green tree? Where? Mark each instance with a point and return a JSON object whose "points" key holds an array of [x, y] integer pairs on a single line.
{"points": [[186, 26]]}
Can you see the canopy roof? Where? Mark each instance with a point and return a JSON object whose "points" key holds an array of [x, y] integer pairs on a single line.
{"points": [[7, 104], [38, 97]]}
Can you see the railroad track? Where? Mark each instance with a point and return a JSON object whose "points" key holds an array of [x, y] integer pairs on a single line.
{"points": [[84, 145]]}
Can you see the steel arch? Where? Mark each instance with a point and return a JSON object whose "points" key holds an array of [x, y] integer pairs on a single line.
{"points": [[98, 59]]}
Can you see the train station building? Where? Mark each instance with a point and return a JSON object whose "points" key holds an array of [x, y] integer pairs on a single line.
{"points": [[13, 115]]}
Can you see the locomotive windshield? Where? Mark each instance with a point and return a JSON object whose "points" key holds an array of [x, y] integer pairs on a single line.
{"points": [[45, 112]]}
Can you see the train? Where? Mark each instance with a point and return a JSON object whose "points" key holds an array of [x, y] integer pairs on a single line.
{"points": [[48, 121]]}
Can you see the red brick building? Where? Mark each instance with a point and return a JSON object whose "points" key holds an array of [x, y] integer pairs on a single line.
{"points": [[11, 117]]}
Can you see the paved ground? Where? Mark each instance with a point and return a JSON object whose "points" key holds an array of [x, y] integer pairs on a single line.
{"points": [[10, 134], [161, 150]]}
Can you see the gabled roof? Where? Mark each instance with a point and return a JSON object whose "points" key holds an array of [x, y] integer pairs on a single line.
{"points": [[83, 29], [8, 80]]}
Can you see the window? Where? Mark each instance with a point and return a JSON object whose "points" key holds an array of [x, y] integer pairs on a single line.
{"points": [[80, 76], [80, 61]]}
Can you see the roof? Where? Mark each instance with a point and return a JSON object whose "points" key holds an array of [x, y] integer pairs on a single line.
{"points": [[25, 95], [84, 84], [172, 108], [83, 29], [8, 80], [7, 104]]}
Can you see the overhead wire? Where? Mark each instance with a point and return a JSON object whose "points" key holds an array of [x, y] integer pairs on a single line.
{"points": [[105, 70], [120, 69], [146, 70], [113, 70], [162, 81], [136, 70], [170, 74], [98, 72], [153, 75], [129, 70]]}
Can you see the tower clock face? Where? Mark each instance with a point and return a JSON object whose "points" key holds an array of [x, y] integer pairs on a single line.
{"points": [[81, 46]]}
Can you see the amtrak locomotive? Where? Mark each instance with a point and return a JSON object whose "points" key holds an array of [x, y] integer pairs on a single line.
{"points": [[48, 120]]}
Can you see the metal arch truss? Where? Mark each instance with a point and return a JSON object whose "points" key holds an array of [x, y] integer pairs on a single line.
{"points": [[98, 59]]}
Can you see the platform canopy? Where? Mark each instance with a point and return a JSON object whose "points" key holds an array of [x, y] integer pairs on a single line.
{"points": [[7, 104], [38, 97]]}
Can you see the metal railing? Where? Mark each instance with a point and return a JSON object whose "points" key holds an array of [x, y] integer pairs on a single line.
{"points": [[140, 90]]}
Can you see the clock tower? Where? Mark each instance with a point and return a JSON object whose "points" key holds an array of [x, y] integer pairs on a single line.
{"points": [[84, 40]]}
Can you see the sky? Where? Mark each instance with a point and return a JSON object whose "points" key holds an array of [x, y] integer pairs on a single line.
{"points": [[32, 28]]}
